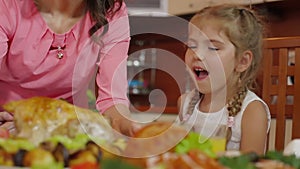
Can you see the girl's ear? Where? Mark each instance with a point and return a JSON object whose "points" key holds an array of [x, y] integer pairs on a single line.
{"points": [[244, 62]]}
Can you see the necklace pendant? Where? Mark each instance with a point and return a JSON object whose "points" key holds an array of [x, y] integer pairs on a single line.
{"points": [[60, 54]]}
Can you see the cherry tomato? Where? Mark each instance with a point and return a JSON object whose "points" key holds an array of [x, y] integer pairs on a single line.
{"points": [[4, 133], [86, 165]]}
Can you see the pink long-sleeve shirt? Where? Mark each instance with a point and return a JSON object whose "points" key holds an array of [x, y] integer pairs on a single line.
{"points": [[29, 63]]}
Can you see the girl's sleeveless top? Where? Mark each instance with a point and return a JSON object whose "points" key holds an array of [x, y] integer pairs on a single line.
{"points": [[206, 123]]}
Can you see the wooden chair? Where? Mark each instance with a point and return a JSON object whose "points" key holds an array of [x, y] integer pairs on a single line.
{"points": [[283, 98]]}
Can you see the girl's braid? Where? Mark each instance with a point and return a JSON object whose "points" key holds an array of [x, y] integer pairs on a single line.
{"points": [[234, 107], [235, 103]]}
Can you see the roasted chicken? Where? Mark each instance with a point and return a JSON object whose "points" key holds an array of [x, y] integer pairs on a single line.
{"points": [[40, 118]]}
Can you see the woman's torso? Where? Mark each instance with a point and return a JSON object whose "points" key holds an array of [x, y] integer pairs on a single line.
{"points": [[32, 66]]}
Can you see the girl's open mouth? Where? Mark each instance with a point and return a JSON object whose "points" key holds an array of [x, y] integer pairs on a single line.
{"points": [[200, 73]]}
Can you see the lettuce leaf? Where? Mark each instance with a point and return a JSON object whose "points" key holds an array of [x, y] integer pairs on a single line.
{"points": [[195, 141]]}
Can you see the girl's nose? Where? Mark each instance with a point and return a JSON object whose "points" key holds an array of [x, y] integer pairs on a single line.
{"points": [[198, 56]]}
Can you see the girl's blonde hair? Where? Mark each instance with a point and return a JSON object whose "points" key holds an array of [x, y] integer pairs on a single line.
{"points": [[245, 29]]}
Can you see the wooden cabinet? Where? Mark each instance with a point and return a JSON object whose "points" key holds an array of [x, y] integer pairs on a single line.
{"points": [[178, 7]]}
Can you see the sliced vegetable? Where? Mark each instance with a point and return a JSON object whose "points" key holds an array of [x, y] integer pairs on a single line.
{"points": [[71, 143], [195, 141], [13, 145]]}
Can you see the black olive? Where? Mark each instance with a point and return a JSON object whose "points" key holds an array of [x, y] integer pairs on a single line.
{"points": [[61, 154], [18, 157], [95, 149]]}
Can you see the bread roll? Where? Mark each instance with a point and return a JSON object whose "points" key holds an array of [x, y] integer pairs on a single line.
{"points": [[154, 139]]}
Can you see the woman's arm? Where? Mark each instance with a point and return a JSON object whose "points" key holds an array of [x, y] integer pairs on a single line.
{"points": [[4, 26], [5, 31], [8, 22], [111, 79], [254, 128]]}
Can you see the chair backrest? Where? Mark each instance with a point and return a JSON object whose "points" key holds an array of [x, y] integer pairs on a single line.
{"points": [[281, 85]]}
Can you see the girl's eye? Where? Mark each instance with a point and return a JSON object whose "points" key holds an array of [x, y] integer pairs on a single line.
{"points": [[213, 48], [192, 46]]}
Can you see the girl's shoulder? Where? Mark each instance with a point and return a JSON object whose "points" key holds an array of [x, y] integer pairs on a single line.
{"points": [[251, 97], [254, 104]]}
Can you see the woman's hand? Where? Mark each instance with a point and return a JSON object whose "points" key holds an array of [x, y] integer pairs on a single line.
{"points": [[119, 117], [5, 117], [6, 121]]}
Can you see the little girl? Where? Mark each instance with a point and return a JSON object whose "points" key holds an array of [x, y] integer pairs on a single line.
{"points": [[223, 56]]}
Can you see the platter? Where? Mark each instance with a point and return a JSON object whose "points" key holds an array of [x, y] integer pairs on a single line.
{"points": [[72, 150], [7, 167]]}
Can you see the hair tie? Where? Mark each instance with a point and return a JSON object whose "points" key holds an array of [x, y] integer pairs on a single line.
{"points": [[230, 121]]}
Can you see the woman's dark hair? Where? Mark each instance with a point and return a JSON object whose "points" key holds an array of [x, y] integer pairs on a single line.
{"points": [[99, 9]]}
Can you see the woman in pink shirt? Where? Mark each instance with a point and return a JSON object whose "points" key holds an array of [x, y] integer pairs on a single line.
{"points": [[54, 48]]}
